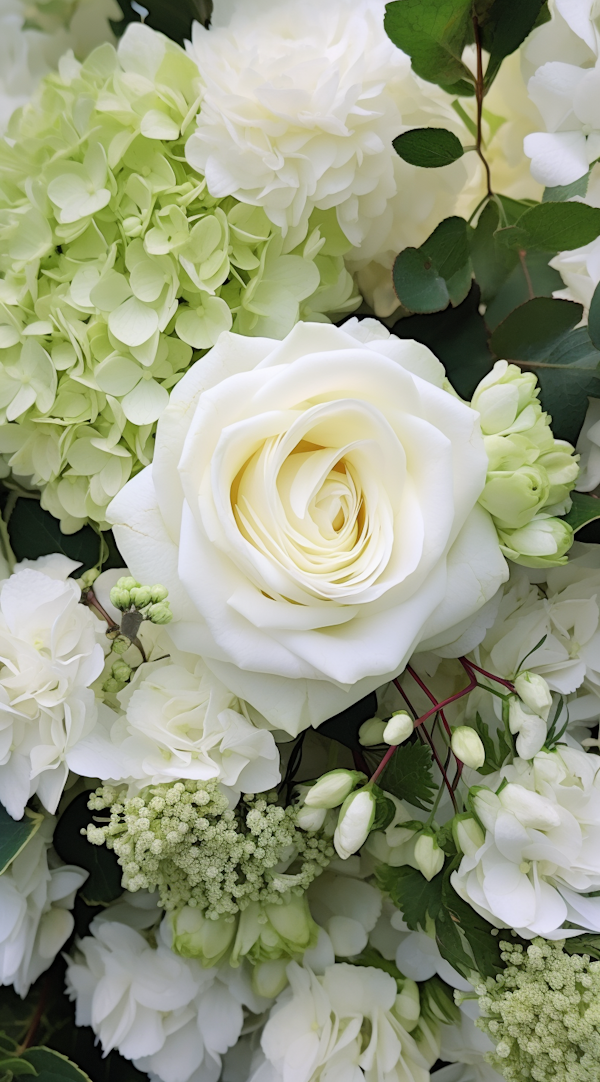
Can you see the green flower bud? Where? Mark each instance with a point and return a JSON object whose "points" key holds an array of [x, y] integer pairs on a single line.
{"points": [[428, 855], [127, 582], [357, 815], [88, 578], [160, 613], [120, 645], [371, 732], [468, 835], [544, 542], [112, 686], [467, 746], [270, 932], [194, 936], [141, 596], [513, 498], [121, 671], [506, 399], [132, 227], [407, 1007], [159, 593], [399, 728], [120, 598], [270, 978], [332, 789], [534, 691]]}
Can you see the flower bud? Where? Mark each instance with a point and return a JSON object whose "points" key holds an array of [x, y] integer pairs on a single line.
{"points": [[120, 645], [332, 789], [531, 728], [467, 746], [160, 613], [534, 691], [428, 855], [127, 582], [356, 818], [407, 1007], [399, 728], [141, 596], [269, 932], [159, 593], [270, 978], [120, 598], [121, 671], [513, 497], [132, 226], [310, 818], [503, 396], [371, 732], [544, 542], [468, 835], [112, 686], [194, 936], [88, 578]]}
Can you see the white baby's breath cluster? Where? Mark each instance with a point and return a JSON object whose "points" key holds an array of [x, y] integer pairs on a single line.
{"points": [[185, 841], [117, 264]]}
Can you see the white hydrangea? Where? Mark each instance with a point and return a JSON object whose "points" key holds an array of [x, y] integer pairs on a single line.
{"points": [[342, 1026], [465, 1046], [50, 654], [345, 907], [588, 446], [179, 721], [540, 861], [173, 1018], [36, 896]]}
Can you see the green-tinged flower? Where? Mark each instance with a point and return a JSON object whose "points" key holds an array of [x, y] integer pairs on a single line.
{"points": [[195, 936], [184, 840], [530, 473], [543, 1014], [267, 933], [117, 265], [429, 858], [332, 788]]}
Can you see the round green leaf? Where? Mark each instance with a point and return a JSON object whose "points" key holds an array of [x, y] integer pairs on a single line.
{"points": [[418, 285], [430, 148], [534, 328]]}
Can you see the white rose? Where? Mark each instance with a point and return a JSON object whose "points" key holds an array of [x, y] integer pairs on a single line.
{"points": [[312, 509]]}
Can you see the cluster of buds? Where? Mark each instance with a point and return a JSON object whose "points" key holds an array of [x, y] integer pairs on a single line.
{"points": [[393, 732], [357, 811], [528, 713], [150, 602], [120, 675]]}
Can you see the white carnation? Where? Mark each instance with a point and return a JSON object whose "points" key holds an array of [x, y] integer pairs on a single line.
{"points": [[341, 1026], [173, 1018], [180, 721], [50, 654], [35, 899], [540, 861]]}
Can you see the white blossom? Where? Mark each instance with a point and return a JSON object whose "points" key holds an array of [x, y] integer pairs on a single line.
{"points": [[50, 653], [588, 446], [36, 895]]}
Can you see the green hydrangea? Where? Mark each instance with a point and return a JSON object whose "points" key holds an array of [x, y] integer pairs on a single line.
{"points": [[543, 1014], [117, 269], [183, 840]]}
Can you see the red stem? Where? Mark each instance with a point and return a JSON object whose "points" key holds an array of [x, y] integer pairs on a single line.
{"points": [[430, 696], [490, 676]]}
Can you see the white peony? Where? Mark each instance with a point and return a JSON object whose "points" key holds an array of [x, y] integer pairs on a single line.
{"points": [[179, 722], [312, 510], [50, 653], [342, 1027], [540, 861], [173, 1018], [35, 899]]}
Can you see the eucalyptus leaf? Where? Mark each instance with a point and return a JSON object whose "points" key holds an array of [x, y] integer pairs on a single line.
{"points": [[568, 376], [561, 192], [434, 33], [14, 834], [594, 318], [553, 227], [585, 509], [534, 328], [418, 284], [430, 148], [427, 279]]}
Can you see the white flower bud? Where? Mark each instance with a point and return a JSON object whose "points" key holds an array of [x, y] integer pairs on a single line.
{"points": [[270, 978], [332, 789], [467, 746], [356, 818], [399, 728], [531, 728], [371, 732], [310, 818], [428, 855], [468, 835], [535, 693]]}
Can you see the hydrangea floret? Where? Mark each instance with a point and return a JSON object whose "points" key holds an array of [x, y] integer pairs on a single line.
{"points": [[543, 1013], [118, 269], [185, 841], [530, 473]]}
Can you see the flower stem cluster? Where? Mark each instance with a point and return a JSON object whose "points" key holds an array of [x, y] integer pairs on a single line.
{"points": [[184, 840], [543, 1013]]}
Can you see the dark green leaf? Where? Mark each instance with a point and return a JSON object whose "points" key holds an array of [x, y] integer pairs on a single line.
{"points": [[594, 318], [532, 330], [431, 148], [408, 775], [51, 1065], [458, 338], [588, 943], [492, 262], [173, 19], [417, 899], [14, 834], [428, 278], [568, 376], [553, 227], [16, 1066], [503, 25], [585, 509], [434, 33], [419, 286], [448, 246], [104, 883], [494, 756], [385, 809], [562, 192], [478, 946], [530, 275]]}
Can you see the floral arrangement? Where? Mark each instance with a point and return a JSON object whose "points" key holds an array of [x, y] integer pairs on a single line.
{"points": [[299, 547]]}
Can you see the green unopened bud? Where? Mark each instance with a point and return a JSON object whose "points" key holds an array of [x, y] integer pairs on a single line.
{"points": [[270, 932], [127, 582], [513, 498], [120, 645], [357, 815], [371, 732], [196, 937], [112, 686], [506, 399], [310, 818], [332, 789], [88, 578], [407, 1007], [399, 728], [534, 691], [270, 978], [468, 746], [132, 227], [468, 835], [428, 855], [159, 613], [121, 671], [544, 542], [141, 596], [159, 593], [120, 598]]}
